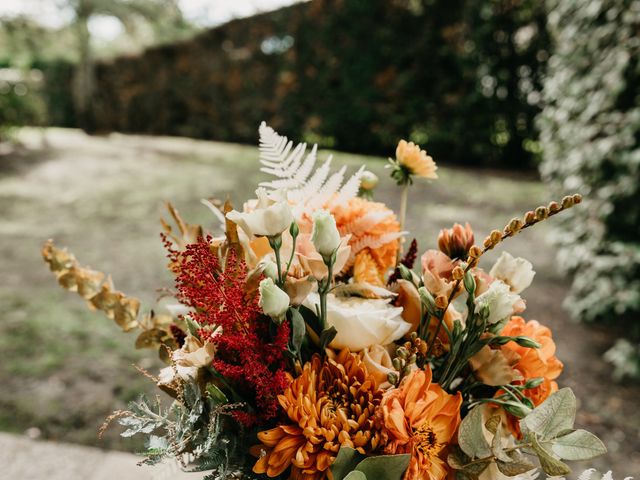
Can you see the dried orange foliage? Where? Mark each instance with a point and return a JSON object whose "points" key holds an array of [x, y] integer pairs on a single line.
{"points": [[93, 286], [98, 290]]}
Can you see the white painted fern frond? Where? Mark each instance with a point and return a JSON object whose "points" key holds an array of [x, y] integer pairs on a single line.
{"points": [[306, 189]]}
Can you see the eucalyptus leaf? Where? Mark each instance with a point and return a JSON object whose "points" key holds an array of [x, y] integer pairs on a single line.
{"points": [[556, 414], [385, 467], [327, 336], [517, 465], [345, 462], [298, 329], [355, 475], [551, 465], [471, 437], [578, 445], [496, 445]]}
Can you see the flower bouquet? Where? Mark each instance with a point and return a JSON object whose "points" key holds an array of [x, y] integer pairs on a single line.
{"points": [[305, 343]]}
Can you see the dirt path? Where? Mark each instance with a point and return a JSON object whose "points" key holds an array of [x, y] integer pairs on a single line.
{"points": [[64, 369]]}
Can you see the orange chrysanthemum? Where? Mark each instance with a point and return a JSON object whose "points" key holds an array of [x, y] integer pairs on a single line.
{"points": [[422, 419], [331, 404], [533, 362], [415, 160]]}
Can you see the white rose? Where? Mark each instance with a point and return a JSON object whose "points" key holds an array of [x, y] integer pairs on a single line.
{"points": [[500, 301], [325, 235], [361, 322], [516, 272], [273, 301], [271, 215]]}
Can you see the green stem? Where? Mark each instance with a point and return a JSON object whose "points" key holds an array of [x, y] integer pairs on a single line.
{"points": [[403, 215]]}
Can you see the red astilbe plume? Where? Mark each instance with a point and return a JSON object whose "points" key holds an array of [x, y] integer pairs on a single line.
{"points": [[249, 347], [408, 260]]}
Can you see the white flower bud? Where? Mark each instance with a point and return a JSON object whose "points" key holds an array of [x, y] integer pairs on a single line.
{"points": [[273, 301], [269, 268], [325, 235]]}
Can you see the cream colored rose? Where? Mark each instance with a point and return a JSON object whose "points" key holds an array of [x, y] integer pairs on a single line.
{"points": [[377, 359], [502, 303], [360, 322], [271, 215], [325, 235], [516, 272]]}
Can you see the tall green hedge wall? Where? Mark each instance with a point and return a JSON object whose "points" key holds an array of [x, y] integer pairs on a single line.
{"points": [[459, 76]]}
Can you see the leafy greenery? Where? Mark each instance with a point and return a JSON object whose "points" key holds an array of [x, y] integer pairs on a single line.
{"points": [[589, 134], [548, 434], [350, 465]]}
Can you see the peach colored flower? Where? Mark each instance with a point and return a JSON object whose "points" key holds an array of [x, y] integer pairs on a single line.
{"points": [[312, 262], [422, 419], [436, 271], [533, 362], [415, 160]]}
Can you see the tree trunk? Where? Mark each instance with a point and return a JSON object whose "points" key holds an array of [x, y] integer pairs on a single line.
{"points": [[85, 72]]}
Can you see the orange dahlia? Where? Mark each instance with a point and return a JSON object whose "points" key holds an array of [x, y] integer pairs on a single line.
{"points": [[422, 419], [533, 362], [331, 404]]}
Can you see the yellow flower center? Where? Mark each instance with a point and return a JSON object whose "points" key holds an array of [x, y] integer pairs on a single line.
{"points": [[425, 440]]}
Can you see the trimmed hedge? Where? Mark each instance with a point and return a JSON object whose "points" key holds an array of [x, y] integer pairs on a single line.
{"points": [[459, 77]]}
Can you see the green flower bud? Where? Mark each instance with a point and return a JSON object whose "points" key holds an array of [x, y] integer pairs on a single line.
{"points": [[533, 383], [428, 300], [517, 409], [469, 283], [526, 342]]}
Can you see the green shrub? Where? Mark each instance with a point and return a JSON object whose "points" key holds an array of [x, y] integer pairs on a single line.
{"points": [[590, 128]]}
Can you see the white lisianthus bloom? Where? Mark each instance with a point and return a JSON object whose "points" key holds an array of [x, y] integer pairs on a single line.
{"points": [[361, 322], [500, 301], [269, 268], [271, 215], [516, 272], [273, 300], [325, 235]]}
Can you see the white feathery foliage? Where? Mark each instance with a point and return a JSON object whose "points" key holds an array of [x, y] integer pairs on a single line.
{"points": [[307, 189]]}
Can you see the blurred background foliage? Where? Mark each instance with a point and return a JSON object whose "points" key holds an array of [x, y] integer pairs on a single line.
{"points": [[589, 131], [466, 79]]}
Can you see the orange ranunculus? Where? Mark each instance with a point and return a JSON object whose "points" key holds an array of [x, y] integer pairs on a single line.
{"points": [[437, 271], [533, 362], [421, 419]]}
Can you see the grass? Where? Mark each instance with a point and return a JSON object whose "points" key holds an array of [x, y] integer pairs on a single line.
{"points": [[66, 368]]}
